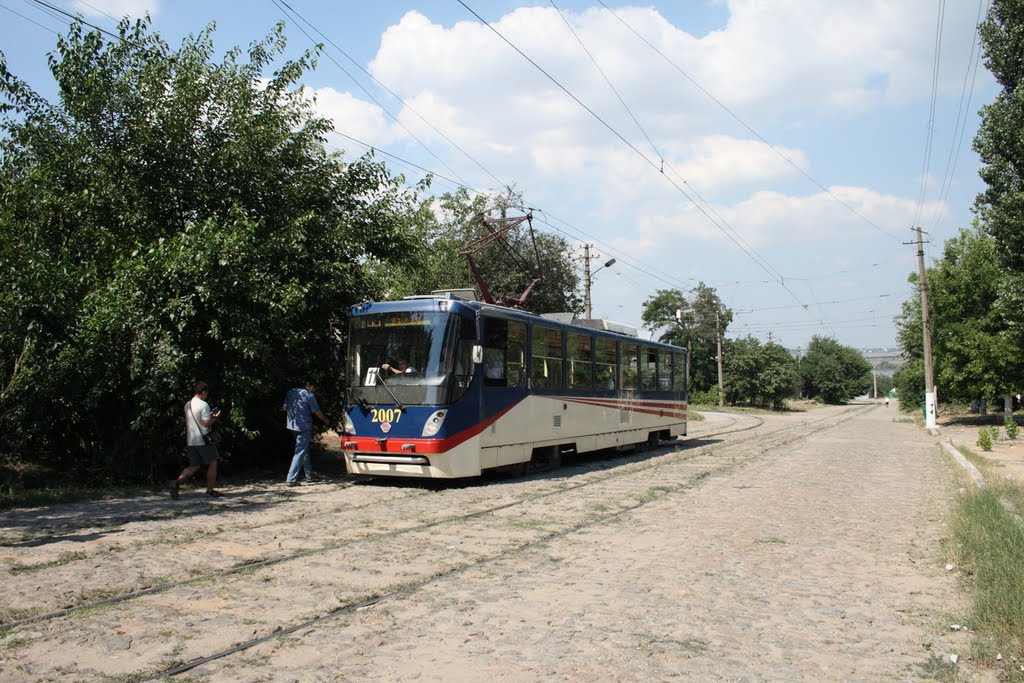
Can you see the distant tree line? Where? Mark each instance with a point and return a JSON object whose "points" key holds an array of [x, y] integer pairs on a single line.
{"points": [[753, 373]]}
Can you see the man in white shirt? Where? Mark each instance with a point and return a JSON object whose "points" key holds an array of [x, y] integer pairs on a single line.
{"points": [[199, 421]]}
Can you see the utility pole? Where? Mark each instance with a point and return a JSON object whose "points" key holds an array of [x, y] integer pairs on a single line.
{"points": [[586, 280], [929, 378], [718, 340]]}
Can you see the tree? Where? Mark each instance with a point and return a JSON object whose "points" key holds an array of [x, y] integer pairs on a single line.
{"points": [[761, 375], [833, 372], [1000, 146], [974, 357], [703, 317], [170, 219]]}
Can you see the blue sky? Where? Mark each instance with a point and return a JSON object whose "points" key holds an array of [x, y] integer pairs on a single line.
{"points": [[777, 151]]}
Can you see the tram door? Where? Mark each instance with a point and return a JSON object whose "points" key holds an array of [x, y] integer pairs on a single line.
{"points": [[504, 365]]}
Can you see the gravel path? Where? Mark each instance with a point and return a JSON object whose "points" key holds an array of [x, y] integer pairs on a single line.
{"points": [[818, 559]]}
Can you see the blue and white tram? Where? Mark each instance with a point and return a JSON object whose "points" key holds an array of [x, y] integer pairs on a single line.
{"points": [[446, 388]]}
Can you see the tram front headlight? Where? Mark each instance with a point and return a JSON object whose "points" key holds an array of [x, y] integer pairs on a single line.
{"points": [[434, 423], [346, 424]]}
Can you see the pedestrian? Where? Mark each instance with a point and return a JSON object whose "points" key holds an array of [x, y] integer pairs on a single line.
{"points": [[300, 404], [886, 400], [199, 420]]}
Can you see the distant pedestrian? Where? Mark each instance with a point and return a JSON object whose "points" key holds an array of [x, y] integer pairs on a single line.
{"points": [[887, 401], [301, 405], [199, 421]]}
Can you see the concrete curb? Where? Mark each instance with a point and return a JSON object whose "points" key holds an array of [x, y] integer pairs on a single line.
{"points": [[979, 481]]}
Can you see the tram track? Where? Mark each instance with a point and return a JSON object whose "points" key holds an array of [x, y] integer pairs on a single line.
{"points": [[640, 499], [597, 472]]}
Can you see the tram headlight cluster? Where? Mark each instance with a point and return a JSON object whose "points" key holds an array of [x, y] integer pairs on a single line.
{"points": [[434, 423], [347, 424]]}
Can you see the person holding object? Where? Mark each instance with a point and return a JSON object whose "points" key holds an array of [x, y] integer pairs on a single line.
{"points": [[300, 404], [199, 420]]}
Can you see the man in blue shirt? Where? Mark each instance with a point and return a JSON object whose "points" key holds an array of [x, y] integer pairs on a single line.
{"points": [[301, 406]]}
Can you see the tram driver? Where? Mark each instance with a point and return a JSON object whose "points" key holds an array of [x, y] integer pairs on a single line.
{"points": [[401, 367]]}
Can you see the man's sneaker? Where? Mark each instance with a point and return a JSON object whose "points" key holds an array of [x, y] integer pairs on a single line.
{"points": [[292, 483], [174, 490], [214, 494]]}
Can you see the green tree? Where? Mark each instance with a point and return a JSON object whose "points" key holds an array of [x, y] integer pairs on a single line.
{"points": [[759, 374], [833, 372], [702, 317], [973, 355], [1000, 146], [171, 218]]}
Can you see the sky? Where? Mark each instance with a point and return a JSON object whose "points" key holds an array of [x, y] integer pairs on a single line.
{"points": [[780, 152]]}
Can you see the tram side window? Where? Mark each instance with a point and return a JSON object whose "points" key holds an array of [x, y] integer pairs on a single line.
{"points": [[630, 353], [504, 353], [679, 371], [547, 358], [664, 366], [579, 354], [648, 368], [605, 352]]}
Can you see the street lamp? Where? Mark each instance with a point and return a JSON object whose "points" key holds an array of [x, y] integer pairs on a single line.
{"points": [[586, 281]]}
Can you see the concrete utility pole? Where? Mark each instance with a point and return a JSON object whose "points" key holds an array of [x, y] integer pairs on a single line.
{"points": [[587, 277], [929, 379], [718, 340]]}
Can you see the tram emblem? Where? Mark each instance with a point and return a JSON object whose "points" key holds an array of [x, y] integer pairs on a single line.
{"points": [[385, 427]]}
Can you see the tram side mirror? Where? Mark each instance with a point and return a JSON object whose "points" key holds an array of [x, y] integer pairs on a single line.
{"points": [[478, 354]]}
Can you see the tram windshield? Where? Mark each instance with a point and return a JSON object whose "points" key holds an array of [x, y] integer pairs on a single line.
{"points": [[414, 357]]}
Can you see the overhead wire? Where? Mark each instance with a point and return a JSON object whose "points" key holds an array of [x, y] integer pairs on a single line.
{"points": [[28, 19], [629, 144], [743, 123], [390, 92], [371, 96], [931, 114], [963, 109], [661, 157]]}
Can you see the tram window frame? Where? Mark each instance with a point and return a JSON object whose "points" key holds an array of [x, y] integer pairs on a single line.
{"points": [[663, 367], [678, 370], [504, 353], [547, 340], [629, 360], [648, 361], [579, 357], [606, 354]]}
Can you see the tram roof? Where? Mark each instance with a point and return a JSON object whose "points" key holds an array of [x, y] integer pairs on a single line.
{"points": [[456, 304]]}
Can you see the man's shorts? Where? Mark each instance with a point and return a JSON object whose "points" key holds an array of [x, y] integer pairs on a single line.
{"points": [[202, 454]]}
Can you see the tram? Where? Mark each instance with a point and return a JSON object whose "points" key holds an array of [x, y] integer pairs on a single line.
{"points": [[442, 386]]}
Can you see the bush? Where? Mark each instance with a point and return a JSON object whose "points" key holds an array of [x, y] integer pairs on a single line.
{"points": [[985, 439], [704, 398], [1011, 428]]}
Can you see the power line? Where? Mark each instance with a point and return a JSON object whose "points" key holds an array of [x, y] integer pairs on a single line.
{"points": [[973, 60], [31, 21], [370, 95], [389, 91], [743, 123], [931, 113], [617, 134]]}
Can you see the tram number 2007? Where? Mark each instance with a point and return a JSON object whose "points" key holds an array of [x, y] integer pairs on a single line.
{"points": [[386, 415]]}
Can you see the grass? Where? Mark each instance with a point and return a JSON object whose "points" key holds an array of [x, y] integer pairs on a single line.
{"points": [[19, 497], [64, 558], [988, 533]]}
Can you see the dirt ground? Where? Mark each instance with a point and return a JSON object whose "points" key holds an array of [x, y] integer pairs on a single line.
{"points": [[807, 546], [1006, 457]]}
